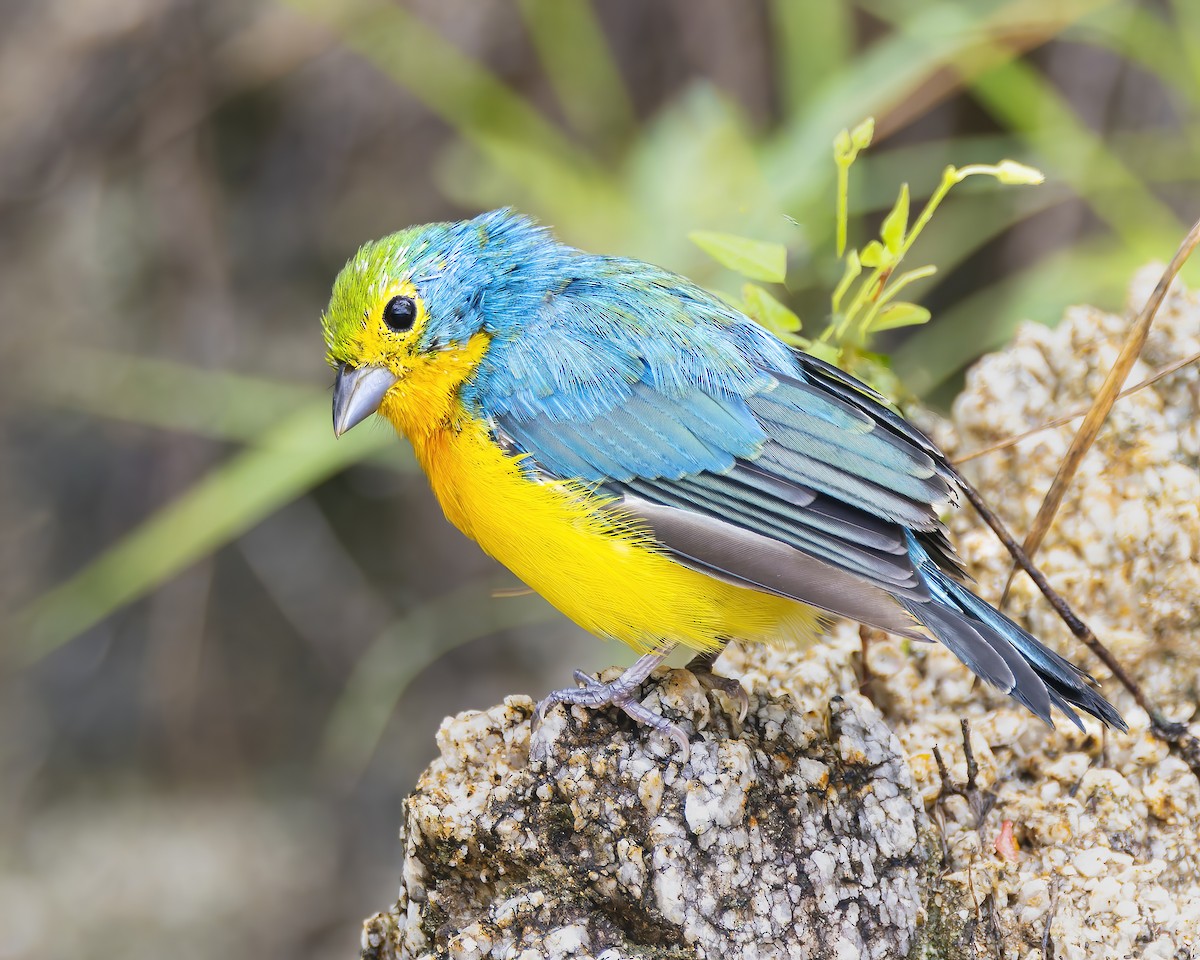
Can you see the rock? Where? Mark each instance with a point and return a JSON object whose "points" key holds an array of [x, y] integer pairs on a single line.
{"points": [[801, 836]]}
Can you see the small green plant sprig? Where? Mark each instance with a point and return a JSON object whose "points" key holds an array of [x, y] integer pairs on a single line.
{"points": [[864, 301]]}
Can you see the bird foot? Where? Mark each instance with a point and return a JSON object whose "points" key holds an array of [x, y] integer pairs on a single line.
{"points": [[620, 693]]}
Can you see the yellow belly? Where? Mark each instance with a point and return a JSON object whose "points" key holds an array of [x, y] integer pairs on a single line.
{"points": [[599, 569]]}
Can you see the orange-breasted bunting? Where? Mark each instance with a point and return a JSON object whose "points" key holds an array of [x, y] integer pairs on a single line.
{"points": [[658, 466]]}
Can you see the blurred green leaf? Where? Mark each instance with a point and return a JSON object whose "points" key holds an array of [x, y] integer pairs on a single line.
{"points": [[1019, 97], [1023, 100], [889, 72], [165, 394], [289, 459], [769, 312], [691, 157], [558, 177], [755, 259], [899, 315], [813, 40], [1186, 36], [162, 393], [1168, 48], [404, 649], [570, 43]]}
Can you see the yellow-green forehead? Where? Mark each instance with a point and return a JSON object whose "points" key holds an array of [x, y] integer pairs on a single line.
{"points": [[371, 271], [376, 266]]}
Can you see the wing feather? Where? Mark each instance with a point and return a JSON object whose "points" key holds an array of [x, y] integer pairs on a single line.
{"points": [[711, 417], [743, 484], [836, 481], [730, 553], [884, 568]]}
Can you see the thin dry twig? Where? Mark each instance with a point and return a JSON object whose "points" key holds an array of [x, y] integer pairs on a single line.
{"points": [[980, 801], [1067, 418], [1047, 942], [1103, 403]]}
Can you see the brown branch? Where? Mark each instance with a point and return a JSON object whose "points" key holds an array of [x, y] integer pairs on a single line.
{"points": [[1104, 401]]}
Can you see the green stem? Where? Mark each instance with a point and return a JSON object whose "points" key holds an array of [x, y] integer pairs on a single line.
{"points": [[950, 176], [843, 203], [889, 294]]}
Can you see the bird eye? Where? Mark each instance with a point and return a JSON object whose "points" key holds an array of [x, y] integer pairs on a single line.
{"points": [[400, 313]]}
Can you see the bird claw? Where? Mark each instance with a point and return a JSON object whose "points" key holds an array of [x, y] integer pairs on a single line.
{"points": [[620, 693]]}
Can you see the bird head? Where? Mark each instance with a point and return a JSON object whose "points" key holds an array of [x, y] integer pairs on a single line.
{"points": [[412, 314]]}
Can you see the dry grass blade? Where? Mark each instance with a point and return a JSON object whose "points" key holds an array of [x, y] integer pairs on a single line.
{"points": [[1067, 418], [1104, 401]]}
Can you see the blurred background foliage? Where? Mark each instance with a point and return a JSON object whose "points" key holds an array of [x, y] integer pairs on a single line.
{"points": [[228, 639]]}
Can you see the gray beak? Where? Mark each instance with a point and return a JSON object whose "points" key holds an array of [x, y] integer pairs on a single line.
{"points": [[357, 393]]}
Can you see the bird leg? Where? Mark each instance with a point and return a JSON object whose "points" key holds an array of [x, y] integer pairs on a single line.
{"points": [[619, 693], [701, 667]]}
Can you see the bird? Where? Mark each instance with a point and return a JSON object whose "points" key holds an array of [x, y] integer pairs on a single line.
{"points": [[659, 467]]}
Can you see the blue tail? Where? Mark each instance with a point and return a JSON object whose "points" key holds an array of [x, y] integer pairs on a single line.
{"points": [[1000, 652]]}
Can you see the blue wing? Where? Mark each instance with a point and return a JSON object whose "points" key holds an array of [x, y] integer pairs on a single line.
{"points": [[666, 397]]}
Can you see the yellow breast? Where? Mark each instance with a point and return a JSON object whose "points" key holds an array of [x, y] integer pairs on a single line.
{"points": [[600, 569]]}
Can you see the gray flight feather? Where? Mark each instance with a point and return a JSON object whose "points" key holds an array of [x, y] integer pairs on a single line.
{"points": [[748, 559]]}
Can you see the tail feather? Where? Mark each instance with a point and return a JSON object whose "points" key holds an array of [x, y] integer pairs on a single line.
{"points": [[988, 654], [1001, 652]]}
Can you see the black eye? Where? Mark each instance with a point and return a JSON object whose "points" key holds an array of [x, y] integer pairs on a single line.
{"points": [[400, 313]]}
